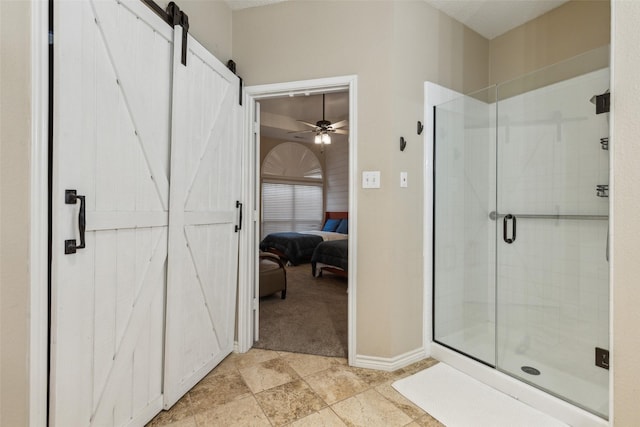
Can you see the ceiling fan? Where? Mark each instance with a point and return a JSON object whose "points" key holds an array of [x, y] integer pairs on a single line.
{"points": [[323, 127]]}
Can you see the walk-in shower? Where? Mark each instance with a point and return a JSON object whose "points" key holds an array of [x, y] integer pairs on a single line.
{"points": [[520, 221]]}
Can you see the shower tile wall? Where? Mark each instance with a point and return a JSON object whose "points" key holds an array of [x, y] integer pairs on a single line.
{"points": [[553, 280]]}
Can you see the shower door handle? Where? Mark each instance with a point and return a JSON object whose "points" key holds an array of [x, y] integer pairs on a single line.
{"points": [[505, 223]]}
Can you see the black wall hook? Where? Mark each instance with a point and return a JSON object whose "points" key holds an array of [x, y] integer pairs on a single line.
{"points": [[403, 143], [420, 127]]}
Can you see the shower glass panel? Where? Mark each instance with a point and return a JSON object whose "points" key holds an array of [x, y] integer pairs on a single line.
{"points": [[552, 278], [464, 243], [520, 268]]}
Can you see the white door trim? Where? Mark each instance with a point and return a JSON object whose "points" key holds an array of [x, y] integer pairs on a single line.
{"points": [[248, 262], [38, 213]]}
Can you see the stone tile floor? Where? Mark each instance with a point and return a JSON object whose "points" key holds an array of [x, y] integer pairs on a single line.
{"points": [[269, 388]]}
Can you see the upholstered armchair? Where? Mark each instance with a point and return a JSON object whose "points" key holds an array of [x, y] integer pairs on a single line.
{"points": [[273, 275]]}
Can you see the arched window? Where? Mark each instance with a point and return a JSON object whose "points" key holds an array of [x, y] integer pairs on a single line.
{"points": [[292, 190]]}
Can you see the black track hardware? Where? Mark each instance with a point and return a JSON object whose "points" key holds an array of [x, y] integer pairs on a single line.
{"points": [[178, 17], [232, 66]]}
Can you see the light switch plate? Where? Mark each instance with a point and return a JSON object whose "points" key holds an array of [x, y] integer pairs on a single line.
{"points": [[370, 179], [403, 179]]}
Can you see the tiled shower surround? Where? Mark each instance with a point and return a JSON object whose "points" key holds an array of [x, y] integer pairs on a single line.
{"points": [[543, 300]]}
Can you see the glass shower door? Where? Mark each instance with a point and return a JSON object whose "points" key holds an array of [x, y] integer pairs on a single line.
{"points": [[464, 241], [551, 233]]}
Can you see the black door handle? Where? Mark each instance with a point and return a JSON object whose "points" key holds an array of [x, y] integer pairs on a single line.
{"points": [[70, 198], [239, 226], [504, 228]]}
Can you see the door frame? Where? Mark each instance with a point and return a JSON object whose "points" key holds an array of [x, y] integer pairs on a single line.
{"points": [[38, 356], [248, 263]]}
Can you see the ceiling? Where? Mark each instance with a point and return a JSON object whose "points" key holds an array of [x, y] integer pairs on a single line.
{"points": [[244, 4], [279, 116], [490, 18]]}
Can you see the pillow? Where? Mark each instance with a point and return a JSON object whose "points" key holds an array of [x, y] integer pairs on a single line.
{"points": [[343, 227], [331, 225]]}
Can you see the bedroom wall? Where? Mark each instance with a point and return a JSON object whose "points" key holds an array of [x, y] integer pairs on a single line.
{"points": [[268, 144], [276, 43], [335, 166], [15, 134], [336, 188]]}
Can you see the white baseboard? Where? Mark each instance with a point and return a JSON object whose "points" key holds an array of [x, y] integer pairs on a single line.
{"points": [[390, 363]]}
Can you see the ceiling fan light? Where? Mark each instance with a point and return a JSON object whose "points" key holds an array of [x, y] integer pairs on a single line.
{"points": [[326, 139], [318, 139]]}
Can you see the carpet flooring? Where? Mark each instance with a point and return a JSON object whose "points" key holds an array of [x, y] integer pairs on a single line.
{"points": [[312, 319]]}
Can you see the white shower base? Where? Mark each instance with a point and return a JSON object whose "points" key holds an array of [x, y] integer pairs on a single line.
{"points": [[478, 341], [558, 408]]}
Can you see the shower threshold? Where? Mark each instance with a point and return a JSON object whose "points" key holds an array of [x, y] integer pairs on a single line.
{"points": [[532, 396]]}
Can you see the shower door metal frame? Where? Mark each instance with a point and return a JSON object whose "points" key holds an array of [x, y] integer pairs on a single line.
{"points": [[433, 260]]}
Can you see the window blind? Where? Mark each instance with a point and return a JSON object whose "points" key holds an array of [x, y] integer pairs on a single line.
{"points": [[291, 207]]}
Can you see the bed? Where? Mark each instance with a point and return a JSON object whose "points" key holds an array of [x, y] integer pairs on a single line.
{"points": [[297, 247], [332, 256]]}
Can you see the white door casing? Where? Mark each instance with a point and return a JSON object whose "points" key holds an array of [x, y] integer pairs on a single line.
{"points": [[203, 241], [257, 197], [247, 325], [248, 286], [111, 143]]}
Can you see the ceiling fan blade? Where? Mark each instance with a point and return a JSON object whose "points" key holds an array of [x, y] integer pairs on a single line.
{"points": [[307, 123], [341, 131], [340, 124], [302, 131]]}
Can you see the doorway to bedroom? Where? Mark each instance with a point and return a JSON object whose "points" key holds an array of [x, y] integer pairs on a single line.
{"points": [[304, 224]]}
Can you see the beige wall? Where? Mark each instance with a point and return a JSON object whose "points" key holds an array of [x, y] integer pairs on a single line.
{"points": [[569, 30], [427, 46], [377, 41], [15, 142], [625, 152], [209, 23]]}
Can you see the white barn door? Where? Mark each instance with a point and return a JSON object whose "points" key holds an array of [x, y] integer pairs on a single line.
{"points": [[145, 247], [204, 216], [112, 92]]}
